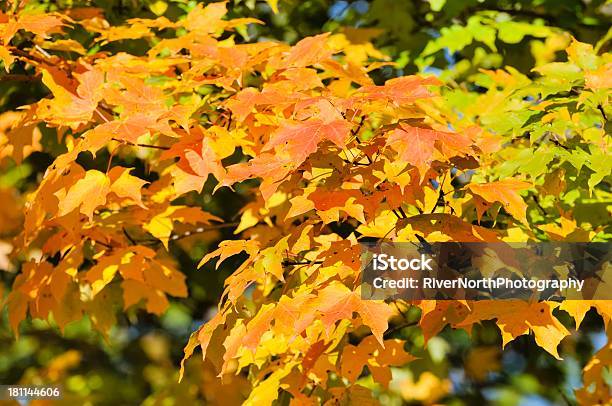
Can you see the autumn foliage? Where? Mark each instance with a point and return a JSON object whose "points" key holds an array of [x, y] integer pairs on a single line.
{"points": [[328, 156]]}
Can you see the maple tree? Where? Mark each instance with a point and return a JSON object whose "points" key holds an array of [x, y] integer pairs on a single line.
{"points": [[324, 154]]}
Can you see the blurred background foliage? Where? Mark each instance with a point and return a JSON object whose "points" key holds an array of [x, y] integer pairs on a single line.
{"points": [[139, 360]]}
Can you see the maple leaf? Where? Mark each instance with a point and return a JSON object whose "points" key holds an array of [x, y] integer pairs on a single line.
{"points": [[130, 130], [22, 140], [516, 318], [300, 139], [17, 304], [579, 308], [129, 262], [353, 395], [416, 146], [271, 168], [243, 103], [41, 24], [403, 90], [454, 227], [86, 194], [327, 199], [134, 292], [66, 108], [308, 51], [124, 185], [287, 317], [270, 260], [198, 159], [229, 248], [376, 356], [343, 252], [437, 314], [206, 19], [596, 390], [266, 391], [503, 191], [336, 302]]}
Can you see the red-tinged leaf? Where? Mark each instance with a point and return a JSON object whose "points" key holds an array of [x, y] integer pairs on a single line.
{"points": [[90, 84], [600, 78], [267, 166], [258, 325], [313, 354], [129, 130], [243, 103], [399, 91], [327, 199], [270, 167], [204, 162], [416, 145], [197, 158], [343, 252], [300, 139], [300, 79]]}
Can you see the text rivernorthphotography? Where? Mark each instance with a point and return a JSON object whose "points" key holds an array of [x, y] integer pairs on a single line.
{"points": [[481, 284], [485, 270]]}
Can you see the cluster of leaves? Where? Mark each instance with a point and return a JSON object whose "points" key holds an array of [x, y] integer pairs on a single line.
{"points": [[328, 157]]}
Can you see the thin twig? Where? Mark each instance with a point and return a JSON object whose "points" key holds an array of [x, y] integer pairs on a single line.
{"points": [[601, 110], [440, 195], [23, 54], [110, 247], [399, 327], [294, 263], [42, 51], [129, 237], [201, 230], [19, 78], [132, 144], [402, 212]]}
